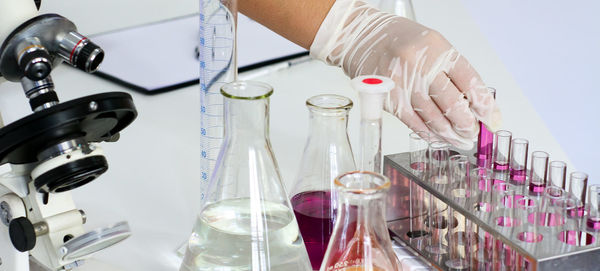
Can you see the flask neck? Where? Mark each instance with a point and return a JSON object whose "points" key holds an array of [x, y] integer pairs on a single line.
{"points": [[248, 119], [328, 126]]}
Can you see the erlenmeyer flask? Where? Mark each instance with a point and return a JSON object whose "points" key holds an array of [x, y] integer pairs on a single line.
{"points": [[246, 222], [360, 240], [327, 154]]}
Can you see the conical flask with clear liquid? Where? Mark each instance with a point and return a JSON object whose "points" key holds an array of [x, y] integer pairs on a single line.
{"points": [[327, 154], [246, 221], [360, 239]]}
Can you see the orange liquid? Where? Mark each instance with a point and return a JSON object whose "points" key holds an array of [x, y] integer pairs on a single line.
{"points": [[352, 257]]}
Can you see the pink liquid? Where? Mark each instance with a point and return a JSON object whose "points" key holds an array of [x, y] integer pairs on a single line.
{"points": [[576, 238], [536, 188], [530, 237], [500, 166], [314, 213], [418, 166], [593, 223], [485, 145], [518, 176]]}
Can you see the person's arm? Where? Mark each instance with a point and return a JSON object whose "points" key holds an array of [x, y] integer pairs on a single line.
{"points": [[296, 20]]}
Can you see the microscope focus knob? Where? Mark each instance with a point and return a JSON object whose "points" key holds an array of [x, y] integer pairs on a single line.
{"points": [[22, 234]]}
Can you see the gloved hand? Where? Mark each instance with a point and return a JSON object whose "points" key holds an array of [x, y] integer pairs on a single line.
{"points": [[436, 90]]}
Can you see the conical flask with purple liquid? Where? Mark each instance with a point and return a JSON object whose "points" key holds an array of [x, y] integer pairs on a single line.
{"points": [[327, 154]]}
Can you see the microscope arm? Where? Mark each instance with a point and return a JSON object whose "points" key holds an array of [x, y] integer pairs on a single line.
{"points": [[13, 13]]}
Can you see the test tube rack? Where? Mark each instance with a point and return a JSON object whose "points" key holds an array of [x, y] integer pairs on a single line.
{"points": [[548, 254]]}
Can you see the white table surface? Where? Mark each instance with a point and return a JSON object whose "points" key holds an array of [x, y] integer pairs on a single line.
{"points": [[153, 179]]}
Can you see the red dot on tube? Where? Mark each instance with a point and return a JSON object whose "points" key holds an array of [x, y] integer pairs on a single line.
{"points": [[372, 81]]}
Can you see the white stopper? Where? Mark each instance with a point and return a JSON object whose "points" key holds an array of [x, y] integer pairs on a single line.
{"points": [[373, 89]]}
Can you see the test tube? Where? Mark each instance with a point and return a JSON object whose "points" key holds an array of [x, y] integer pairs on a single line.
{"points": [[537, 176], [485, 142], [460, 186], [459, 237], [571, 232], [593, 207], [418, 145], [503, 197], [551, 210], [557, 174], [502, 143], [578, 189], [481, 181], [459, 241], [518, 161], [528, 232], [438, 162], [372, 90], [504, 217], [437, 220], [437, 224]]}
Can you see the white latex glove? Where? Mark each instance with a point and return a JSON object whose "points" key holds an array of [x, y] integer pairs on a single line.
{"points": [[436, 90]]}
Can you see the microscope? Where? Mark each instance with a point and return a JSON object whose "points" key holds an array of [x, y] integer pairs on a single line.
{"points": [[56, 148]]}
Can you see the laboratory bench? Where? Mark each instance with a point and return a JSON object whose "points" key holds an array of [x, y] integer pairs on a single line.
{"points": [[154, 177]]}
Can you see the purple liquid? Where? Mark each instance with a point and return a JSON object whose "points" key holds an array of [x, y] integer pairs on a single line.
{"points": [[500, 166], [485, 145], [593, 223], [418, 166], [536, 188], [315, 217], [518, 176]]}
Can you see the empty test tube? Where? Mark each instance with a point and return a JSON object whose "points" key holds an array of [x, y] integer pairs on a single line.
{"points": [[438, 162], [551, 210], [481, 182], [459, 167], [528, 232], [571, 232], [578, 189], [459, 237], [503, 198], [372, 90], [518, 161], [557, 174], [537, 176], [502, 141], [418, 143], [503, 195]]}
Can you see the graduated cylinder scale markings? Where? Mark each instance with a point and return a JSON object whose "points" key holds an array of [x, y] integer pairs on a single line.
{"points": [[217, 60]]}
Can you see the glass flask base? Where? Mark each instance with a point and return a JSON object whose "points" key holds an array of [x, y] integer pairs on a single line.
{"points": [[314, 214], [222, 238]]}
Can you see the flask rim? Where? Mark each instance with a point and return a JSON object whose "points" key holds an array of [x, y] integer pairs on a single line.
{"points": [[378, 183], [247, 90], [329, 102]]}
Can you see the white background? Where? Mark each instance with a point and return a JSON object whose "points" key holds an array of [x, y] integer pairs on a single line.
{"points": [[153, 178], [552, 49]]}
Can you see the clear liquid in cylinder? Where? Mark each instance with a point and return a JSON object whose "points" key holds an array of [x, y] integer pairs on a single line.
{"points": [[223, 239]]}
